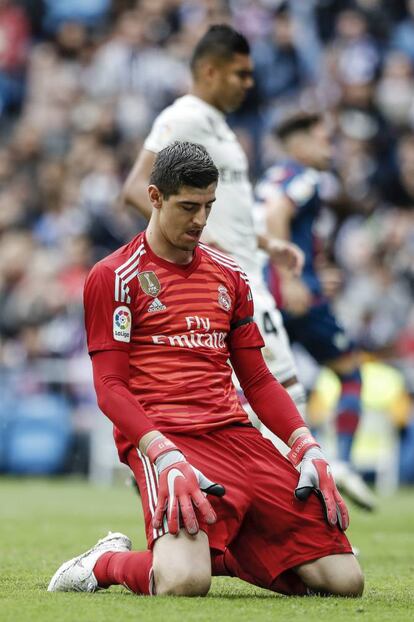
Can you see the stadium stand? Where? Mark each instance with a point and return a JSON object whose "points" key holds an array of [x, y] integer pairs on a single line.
{"points": [[81, 82]]}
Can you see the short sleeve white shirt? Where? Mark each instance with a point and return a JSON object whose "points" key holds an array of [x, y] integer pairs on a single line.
{"points": [[230, 224]]}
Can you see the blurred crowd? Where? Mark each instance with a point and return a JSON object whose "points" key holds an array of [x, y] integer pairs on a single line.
{"points": [[80, 84]]}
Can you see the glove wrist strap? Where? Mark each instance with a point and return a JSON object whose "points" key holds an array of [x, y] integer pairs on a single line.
{"points": [[159, 446], [300, 447], [166, 460]]}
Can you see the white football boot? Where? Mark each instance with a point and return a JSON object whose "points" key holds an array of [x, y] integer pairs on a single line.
{"points": [[351, 484], [76, 575]]}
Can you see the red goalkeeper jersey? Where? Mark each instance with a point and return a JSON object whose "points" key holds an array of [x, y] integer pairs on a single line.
{"points": [[179, 324]]}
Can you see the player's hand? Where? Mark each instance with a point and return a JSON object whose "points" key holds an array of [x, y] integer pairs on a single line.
{"points": [[286, 255], [315, 475], [182, 489], [297, 298]]}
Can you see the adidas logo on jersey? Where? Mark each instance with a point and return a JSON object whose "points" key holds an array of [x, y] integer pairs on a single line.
{"points": [[156, 305]]}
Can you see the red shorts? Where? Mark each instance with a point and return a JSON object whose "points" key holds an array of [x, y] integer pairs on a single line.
{"points": [[262, 529]]}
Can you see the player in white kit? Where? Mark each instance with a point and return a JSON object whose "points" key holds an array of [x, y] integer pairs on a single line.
{"points": [[222, 73]]}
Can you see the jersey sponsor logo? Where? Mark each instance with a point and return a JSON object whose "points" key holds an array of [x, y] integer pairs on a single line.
{"points": [[122, 324], [156, 305], [224, 299], [198, 335], [149, 283], [232, 176], [197, 322], [216, 340]]}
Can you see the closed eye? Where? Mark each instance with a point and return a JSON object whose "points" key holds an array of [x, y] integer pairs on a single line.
{"points": [[189, 207]]}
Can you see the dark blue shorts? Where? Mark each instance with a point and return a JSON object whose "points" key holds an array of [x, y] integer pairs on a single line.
{"points": [[319, 333]]}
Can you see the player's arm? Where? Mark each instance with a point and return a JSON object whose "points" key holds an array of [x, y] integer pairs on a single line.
{"points": [[180, 484], [109, 318], [279, 210], [283, 253], [115, 400], [274, 235], [135, 190], [275, 408]]}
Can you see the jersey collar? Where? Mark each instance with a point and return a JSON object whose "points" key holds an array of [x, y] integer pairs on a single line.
{"points": [[183, 270], [203, 104]]}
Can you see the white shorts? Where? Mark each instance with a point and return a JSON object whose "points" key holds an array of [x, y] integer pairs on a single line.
{"points": [[277, 351]]}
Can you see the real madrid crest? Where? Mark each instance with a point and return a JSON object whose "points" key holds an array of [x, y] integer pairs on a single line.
{"points": [[149, 283], [224, 299]]}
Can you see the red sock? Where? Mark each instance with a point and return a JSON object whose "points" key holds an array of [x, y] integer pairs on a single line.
{"points": [[132, 569], [218, 567]]}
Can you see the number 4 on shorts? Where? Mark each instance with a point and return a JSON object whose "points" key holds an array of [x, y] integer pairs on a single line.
{"points": [[268, 325]]}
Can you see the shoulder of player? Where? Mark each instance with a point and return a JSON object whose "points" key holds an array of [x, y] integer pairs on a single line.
{"points": [[290, 178], [281, 173], [226, 264], [121, 266], [183, 112]]}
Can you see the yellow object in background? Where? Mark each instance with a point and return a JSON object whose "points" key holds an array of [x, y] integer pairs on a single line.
{"points": [[386, 407], [383, 390]]}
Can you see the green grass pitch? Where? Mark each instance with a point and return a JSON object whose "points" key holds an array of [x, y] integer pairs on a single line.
{"points": [[45, 522]]}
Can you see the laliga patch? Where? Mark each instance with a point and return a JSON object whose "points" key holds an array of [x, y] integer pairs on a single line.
{"points": [[302, 188], [224, 299], [122, 324], [164, 133]]}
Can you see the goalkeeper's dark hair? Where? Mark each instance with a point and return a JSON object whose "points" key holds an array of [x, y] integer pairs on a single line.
{"points": [[220, 42], [296, 122], [183, 164]]}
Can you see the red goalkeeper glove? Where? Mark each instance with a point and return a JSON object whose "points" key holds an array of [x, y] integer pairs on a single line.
{"points": [[315, 474], [180, 487]]}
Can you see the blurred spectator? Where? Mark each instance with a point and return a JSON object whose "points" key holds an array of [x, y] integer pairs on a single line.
{"points": [[35, 11], [402, 38], [81, 81], [356, 51], [124, 69], [356, 157], [395, 89], [280, 68], [377, 272], [398, 187], [88, 12], [14, 48], [251, 18]]}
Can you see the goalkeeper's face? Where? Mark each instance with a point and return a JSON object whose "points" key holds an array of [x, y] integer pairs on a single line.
{"points": [[231, 81], [182, 217]]}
